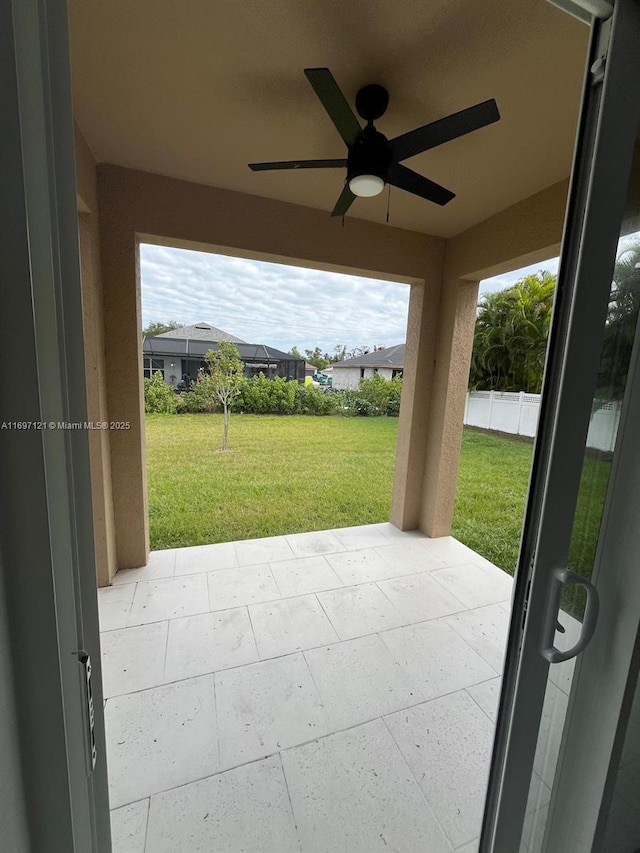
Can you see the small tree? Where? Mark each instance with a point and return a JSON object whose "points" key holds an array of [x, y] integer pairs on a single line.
{"points": [[227, 376]]}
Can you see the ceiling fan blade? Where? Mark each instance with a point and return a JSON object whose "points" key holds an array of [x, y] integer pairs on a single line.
{"points": [[344, 202], [298, 164], [334, 102], [412, 182], [445, 129]]}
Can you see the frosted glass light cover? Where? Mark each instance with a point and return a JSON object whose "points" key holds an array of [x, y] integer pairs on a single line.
{"points": [[366, 186]]}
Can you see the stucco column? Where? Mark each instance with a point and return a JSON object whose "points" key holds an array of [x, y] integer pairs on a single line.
{"points": [[422, 326], [124, 380], [99, 440], [446, 412], [439, 345]]}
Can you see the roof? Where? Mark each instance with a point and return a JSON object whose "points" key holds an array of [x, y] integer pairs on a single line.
{"points": [[202, 332], [387, 357], [182, 347]]}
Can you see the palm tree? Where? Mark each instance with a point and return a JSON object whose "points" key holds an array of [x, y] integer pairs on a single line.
{"points": [[510, 340], [620, 329]]}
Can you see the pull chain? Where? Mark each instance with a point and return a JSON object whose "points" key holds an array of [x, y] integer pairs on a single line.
{"points": [[388, 202]]}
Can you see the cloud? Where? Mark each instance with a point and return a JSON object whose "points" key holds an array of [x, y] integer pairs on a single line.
{"points": [[278, 305], [271, 303], [500, 282]]}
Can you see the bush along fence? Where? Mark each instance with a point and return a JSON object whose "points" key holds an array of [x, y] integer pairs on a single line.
{"points": [[517, 413], [262, 396]]}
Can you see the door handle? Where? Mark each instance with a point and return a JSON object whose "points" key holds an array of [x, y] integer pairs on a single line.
{"points": [[559, 579]]}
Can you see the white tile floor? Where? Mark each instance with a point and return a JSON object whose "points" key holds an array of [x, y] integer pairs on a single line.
{"points": [[317, 693]]}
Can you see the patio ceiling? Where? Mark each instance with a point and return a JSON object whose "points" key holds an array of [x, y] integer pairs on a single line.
{"points": [[196, 90]]}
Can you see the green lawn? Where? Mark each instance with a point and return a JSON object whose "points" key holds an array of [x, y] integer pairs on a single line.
{"points": [[490, 498], [286, 474], [297, 473]]}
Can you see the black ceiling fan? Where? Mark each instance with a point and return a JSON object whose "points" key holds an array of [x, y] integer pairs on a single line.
{"points": [[373, 160]]}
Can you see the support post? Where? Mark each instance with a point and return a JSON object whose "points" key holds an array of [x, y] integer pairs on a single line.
{"points": [[125, 393], [439, 344]]}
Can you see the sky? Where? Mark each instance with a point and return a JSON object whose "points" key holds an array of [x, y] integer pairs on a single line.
{"points": [[279, 305]]}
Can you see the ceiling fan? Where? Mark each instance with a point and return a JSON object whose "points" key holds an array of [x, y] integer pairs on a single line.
{"points": [[373, 160]]}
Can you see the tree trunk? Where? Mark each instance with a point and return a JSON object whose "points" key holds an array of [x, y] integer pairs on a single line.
{"points": [[225, 428]]}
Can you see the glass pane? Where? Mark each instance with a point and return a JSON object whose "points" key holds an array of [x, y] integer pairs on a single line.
{"points": [[622, 834], [620, 330]]}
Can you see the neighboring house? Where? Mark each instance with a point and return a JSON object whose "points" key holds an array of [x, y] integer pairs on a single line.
{"points": [[387, 362], [179, 355]]}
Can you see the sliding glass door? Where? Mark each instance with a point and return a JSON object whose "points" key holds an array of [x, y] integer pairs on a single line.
{"points": [[572, 647]]}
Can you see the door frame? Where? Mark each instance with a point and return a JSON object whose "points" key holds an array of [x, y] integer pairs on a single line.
{"points": [[598, 193], [46, 530]]}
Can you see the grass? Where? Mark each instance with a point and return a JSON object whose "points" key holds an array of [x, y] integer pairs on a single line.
{"points": [[285, 475], [297, 473], [293, 474], [492, 488]]}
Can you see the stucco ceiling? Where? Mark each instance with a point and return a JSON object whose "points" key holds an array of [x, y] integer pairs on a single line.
{"points": [[197, 89]]}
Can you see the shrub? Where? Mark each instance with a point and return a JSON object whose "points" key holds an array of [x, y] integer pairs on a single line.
{"points": [[262, 396], [311, 400], [159, 398], [383, 394], [201, 396], [359, 406]]}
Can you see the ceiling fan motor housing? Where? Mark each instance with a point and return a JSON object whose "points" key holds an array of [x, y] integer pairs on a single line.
{"points": [[372, 160], [372, 102], [370, 154]]}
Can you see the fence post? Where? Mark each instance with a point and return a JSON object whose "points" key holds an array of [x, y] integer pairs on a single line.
{"points": [[520, 405], [491, 393], [466, 408]]}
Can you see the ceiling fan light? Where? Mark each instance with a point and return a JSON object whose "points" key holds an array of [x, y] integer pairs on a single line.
{"points": [[366, 186]]}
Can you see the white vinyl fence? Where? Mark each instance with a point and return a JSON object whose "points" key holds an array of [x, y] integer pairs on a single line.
{"points": [[517, 413]]}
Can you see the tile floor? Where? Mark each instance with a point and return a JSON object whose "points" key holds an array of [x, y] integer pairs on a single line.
{"points": [[317, 693]]}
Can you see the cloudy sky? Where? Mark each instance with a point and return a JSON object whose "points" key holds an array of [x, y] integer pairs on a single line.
{"points": [[279, 305]]}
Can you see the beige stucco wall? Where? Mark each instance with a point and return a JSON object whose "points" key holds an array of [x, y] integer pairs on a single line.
{"points": [[523, 234], [93, 330], [439, 344], [136, 207]]}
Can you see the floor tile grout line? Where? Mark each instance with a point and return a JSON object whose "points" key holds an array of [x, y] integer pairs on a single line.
{"points": [[289, 560], [330, 589], [226, 669], [293, 812], [321, 701], [166, 650], [400, 537], [404, 669], [146, 826], [464, 609], [277, 585], [294, 745], [254, 635], [446, 588], [335, 631], [133, 598], [451, 624], [473, 698], [390, 602], [378, 632], [415, 779], [215, 712]]}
